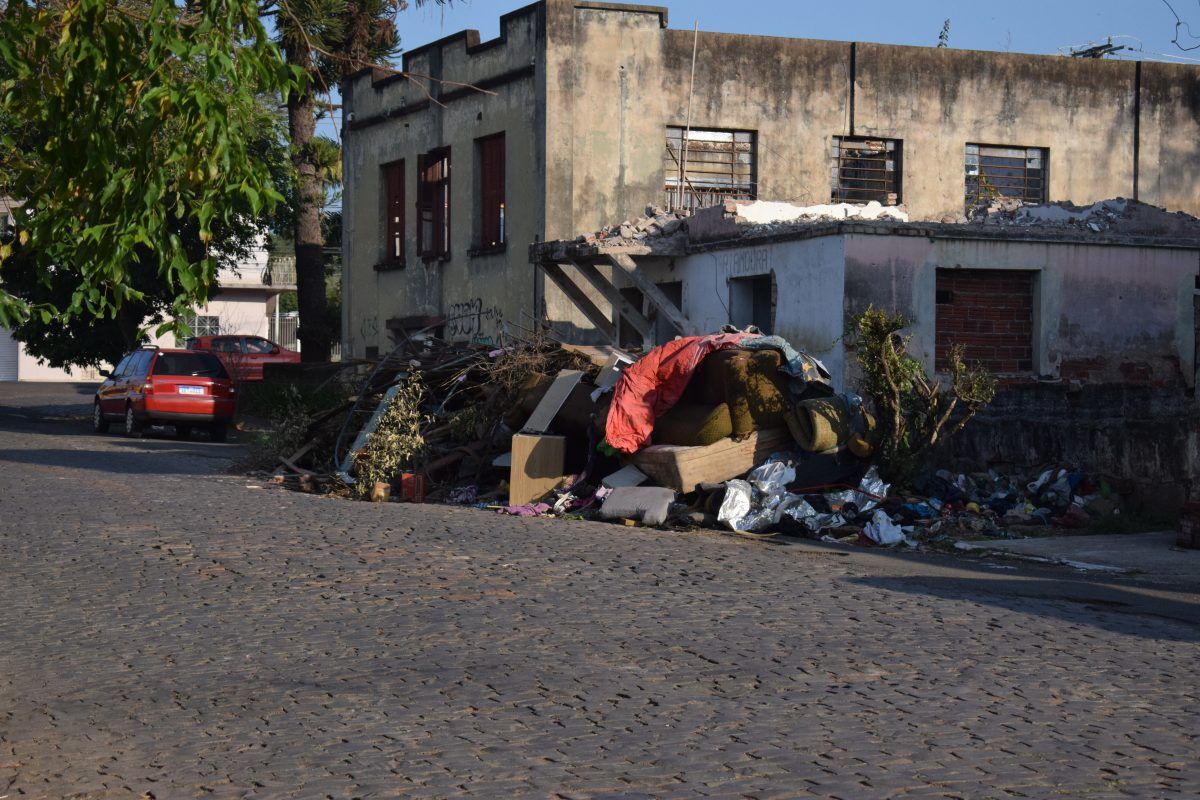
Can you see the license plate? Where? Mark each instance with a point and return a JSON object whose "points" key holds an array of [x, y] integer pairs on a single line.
{"points": [[191, 390]]}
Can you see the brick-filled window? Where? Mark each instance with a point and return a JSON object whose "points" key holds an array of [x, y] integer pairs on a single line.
{"points": [[866, 169], [994, 171], [433, 204], [704, 167], [392, 178], [990, 313], [490, 159]]}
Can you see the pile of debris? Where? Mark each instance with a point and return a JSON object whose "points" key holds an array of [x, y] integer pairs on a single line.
{"points": [[732, 430], [1118, 215], [656, 223]]}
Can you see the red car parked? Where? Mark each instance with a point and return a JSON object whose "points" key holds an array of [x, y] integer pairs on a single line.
{"points": [[244, 356], [180, 387]]}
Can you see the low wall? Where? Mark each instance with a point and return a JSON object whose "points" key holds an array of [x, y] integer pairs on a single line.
{"points": [[1147, 435]]}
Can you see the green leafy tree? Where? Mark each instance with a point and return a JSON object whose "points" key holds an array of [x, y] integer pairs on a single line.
{"points": [[129, 130], [88, 340]]}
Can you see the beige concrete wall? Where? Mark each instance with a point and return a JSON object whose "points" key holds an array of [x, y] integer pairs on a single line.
{"points": [[1170, 137], [937, 100], [1120, 310], [482, 291], [586, 137]]}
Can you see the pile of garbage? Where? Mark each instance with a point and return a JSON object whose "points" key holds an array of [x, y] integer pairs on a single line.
{"points": [[733, 430]]}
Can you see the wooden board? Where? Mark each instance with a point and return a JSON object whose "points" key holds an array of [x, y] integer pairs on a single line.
{"points": [[682, 468], [548, 407], [537, 467]]}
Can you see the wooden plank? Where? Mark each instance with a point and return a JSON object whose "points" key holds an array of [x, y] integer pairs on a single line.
{"points": [[654, 294], [683, 468], [548, 407], [625, 308], [584, 303], [537, 467]]}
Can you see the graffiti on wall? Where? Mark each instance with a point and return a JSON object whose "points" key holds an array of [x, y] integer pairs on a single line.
{"points": [[471, 319], [368, 329]]}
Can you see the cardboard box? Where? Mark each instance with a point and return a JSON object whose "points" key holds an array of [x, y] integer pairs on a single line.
{"points": [[537, 467]]}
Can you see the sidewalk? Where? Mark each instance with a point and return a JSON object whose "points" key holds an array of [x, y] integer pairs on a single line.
{"points": [[1147, 556]]}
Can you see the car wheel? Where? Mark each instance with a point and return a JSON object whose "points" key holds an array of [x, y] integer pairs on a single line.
{"points": [[183, 431], [99, 423], [218, 431], [132, 426]]}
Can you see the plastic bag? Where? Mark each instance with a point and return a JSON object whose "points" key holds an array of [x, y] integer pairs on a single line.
{"points": [[882, 530], [736, 506]]}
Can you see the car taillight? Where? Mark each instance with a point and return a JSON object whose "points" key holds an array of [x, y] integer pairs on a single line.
{"points": [[148, 387]]}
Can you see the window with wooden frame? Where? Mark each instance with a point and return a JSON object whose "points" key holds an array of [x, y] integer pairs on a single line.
{"points": [[490, 156], [433, 204], [866, 169], [393, 208], [995, 171], [705, 167]]}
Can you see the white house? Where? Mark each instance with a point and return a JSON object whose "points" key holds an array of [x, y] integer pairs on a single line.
{"points": [[244, 305]]}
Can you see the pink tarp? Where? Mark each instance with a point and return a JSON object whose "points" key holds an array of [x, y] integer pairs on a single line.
{"points": [[653, 385]]}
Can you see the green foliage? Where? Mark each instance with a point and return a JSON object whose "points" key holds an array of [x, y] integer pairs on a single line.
{"points": [[914, 412], [125, 126], [396, 443]]}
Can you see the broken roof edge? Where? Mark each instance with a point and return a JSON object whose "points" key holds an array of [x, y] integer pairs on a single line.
{"points": [[563, 250]]}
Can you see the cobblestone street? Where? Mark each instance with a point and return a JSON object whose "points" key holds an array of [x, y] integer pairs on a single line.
{"points": [[171, 630]]}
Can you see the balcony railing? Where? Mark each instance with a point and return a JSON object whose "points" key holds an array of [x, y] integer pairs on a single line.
{"points": [[280, 271]]}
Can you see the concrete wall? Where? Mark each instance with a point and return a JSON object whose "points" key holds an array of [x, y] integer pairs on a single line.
{"points": [[483, 290], [586, 129], [1122, 313], [808, 290]]}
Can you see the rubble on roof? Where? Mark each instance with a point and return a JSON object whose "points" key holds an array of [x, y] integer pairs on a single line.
{"points": [[672, 232], [1118, 216], [765, 212]]}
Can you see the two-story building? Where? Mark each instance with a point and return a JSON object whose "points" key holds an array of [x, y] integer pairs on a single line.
{"points": [[580, 113]]}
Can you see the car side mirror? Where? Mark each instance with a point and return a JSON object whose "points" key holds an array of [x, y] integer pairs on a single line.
{"points": [[107, 373], [275, 350]]}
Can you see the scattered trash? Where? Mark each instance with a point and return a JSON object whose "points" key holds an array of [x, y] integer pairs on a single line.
{"points": [[882, 530], [649, 504], [731, 430]]}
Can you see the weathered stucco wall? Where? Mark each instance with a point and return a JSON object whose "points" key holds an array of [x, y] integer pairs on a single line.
{"points": [[937, 100], [585, 90], [808, 286], [1169, 163], [1123, 313], [394, 119]]}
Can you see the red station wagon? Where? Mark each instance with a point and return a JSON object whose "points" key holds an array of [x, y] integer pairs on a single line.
{"points": [[180, 387], [244, 356]]}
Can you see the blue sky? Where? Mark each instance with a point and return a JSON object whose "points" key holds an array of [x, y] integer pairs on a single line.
{"points": [[1020, 26], [1024, 26]]}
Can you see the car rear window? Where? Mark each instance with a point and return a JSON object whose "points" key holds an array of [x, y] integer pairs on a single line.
{"points": [[201, 364]]}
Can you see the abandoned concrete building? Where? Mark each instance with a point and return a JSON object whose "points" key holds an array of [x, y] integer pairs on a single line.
{"points": [[576, 116], [1088, 317]]}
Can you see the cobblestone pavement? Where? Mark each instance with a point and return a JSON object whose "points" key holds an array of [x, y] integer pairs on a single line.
{"points": [[174, 632]]}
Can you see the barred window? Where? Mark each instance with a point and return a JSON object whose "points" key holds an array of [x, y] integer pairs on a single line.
{"points": [[704, 167], [202, 325], [866, 169], [994, 171]]}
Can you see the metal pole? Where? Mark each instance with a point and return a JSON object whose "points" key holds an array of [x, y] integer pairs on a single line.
{"points": [[687, 131]]}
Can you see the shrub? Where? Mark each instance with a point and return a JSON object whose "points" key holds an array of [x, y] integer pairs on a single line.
{"points": [[915, 412], [397, 442]]}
